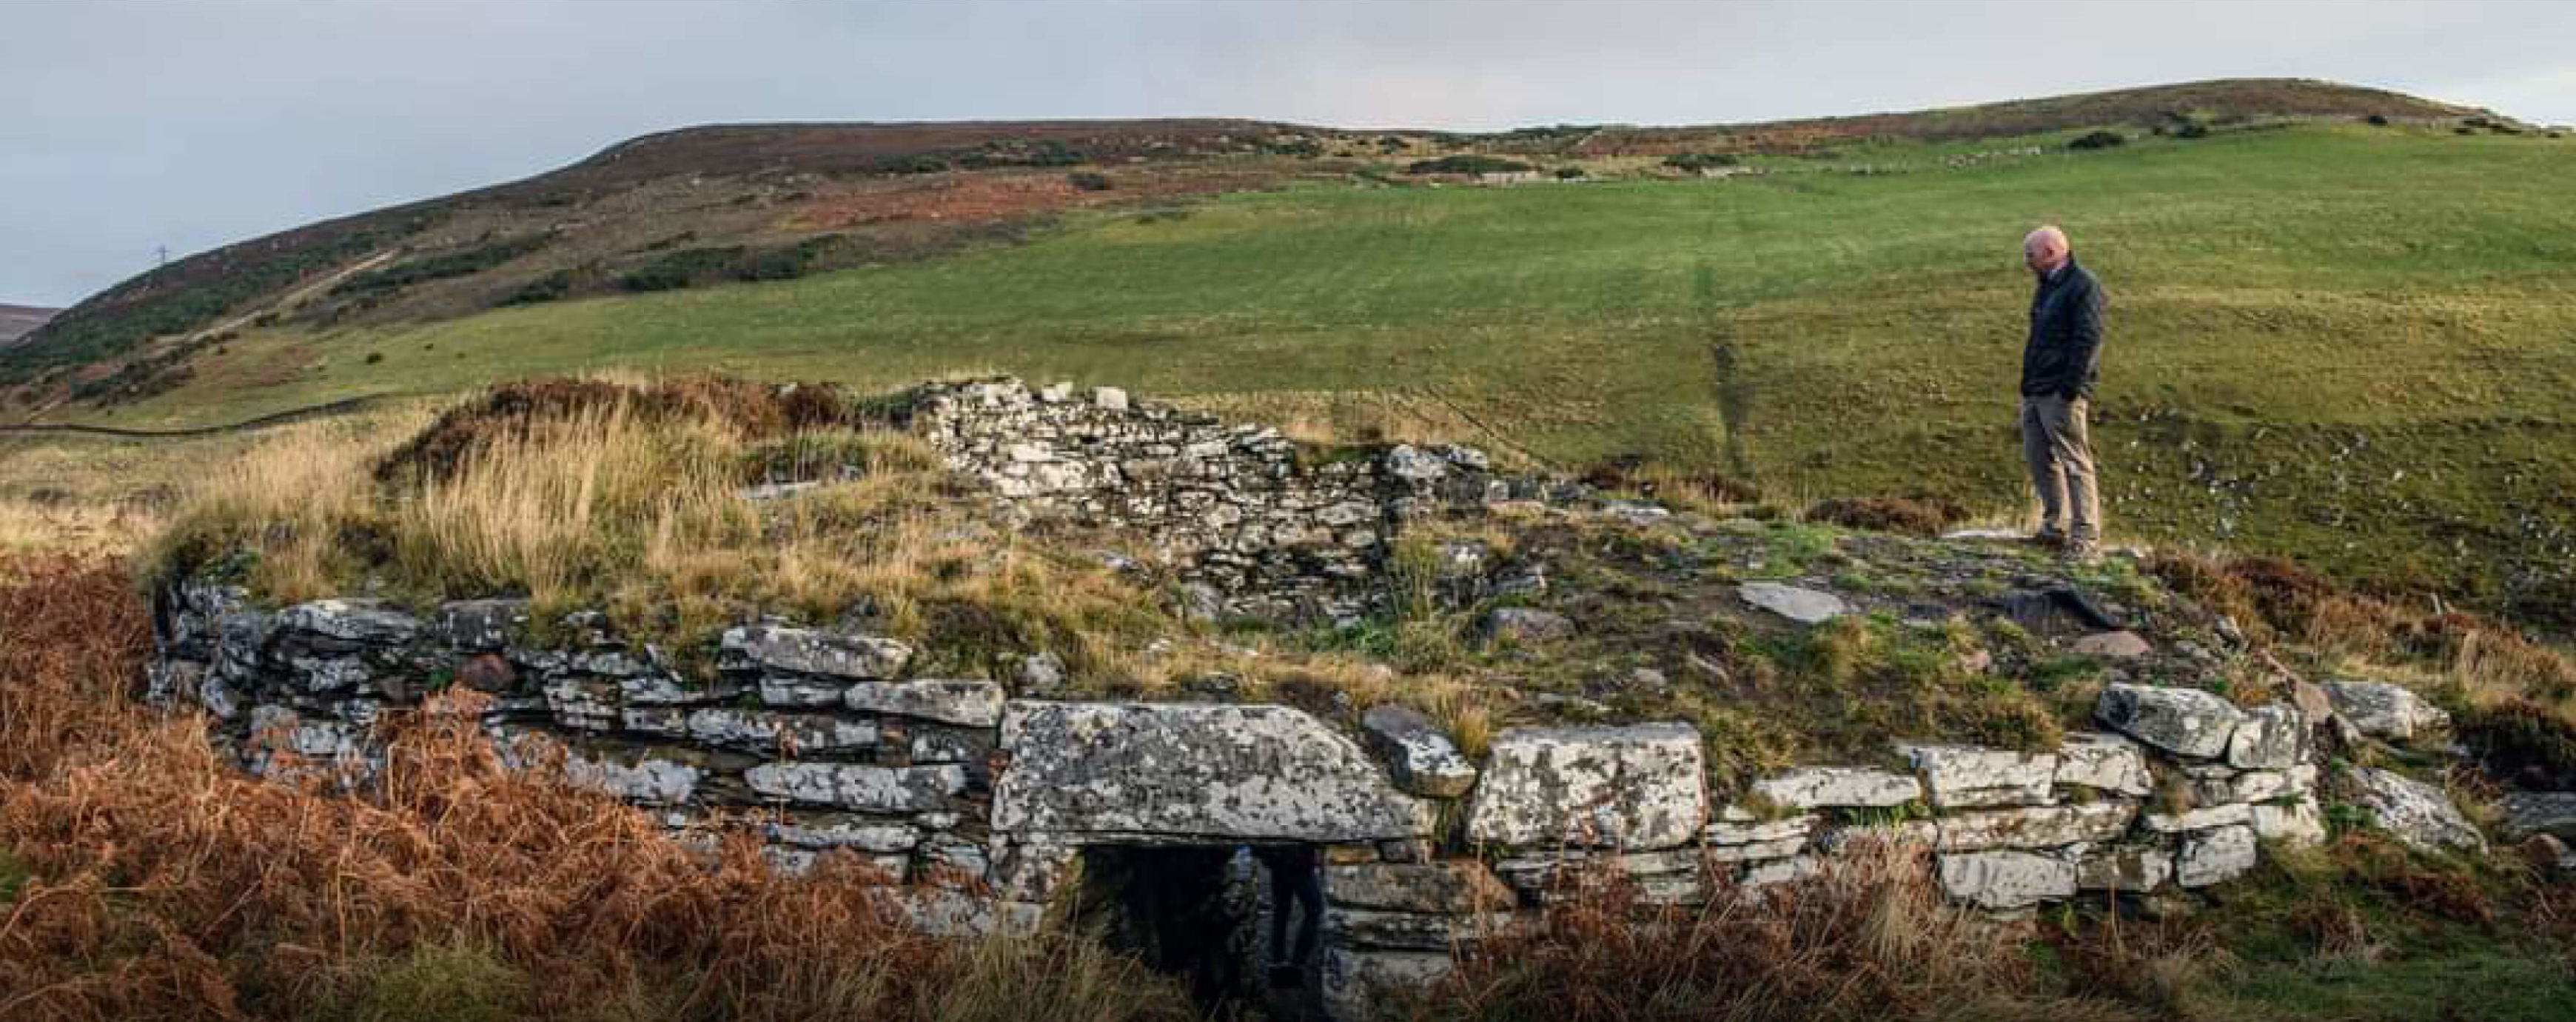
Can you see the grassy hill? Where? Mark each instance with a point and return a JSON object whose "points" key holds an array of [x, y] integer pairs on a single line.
{"points": [[2342, 340]]}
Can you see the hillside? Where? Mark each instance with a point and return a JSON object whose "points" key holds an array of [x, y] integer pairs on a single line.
{"points": [[762, 202], [2333, 338], [17, 321]]}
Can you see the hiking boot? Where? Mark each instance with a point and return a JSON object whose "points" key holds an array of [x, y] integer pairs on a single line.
{"points": [[2048, 539], [2079, 551]]}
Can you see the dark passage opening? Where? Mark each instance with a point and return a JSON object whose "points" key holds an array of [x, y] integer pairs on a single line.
{"points": [[1193, 912]]}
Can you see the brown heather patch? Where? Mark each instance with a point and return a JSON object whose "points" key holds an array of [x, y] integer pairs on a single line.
{"points": [[1919, 515], [161, 883]]}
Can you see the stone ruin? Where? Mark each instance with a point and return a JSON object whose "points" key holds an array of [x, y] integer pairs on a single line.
{"points": [[979, 808], [1252, 527]]}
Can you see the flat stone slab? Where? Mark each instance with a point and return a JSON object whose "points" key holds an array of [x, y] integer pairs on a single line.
{"points": [[1637, 787], [2121, 645], [1962, 776], [965, 703], [812, 651], [852, 786], [1837, 788], [1451, 887], [1805, 606], [2036, 827], [2006, 879], [2382, 710], [2182, 721], [2540, 812], [2415, 813], [1145, 772]]}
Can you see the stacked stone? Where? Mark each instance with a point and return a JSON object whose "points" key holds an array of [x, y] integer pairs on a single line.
{"points": [[1259, 531], [821, 726]]}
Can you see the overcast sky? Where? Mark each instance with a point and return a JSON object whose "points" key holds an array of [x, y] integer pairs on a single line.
{"points": [[127, 125]]}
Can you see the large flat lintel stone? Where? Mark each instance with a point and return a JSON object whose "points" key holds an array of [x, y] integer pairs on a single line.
{"points": [[1138, 773]]}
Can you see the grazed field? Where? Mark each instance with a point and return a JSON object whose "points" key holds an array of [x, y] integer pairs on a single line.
{"points": [[2349, 343]]}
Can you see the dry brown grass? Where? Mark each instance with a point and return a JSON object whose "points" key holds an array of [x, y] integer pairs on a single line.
{"points": [[1867, 937], [591, 494], [163, 884]]}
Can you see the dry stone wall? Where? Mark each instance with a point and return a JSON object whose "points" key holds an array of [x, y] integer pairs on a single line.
{"points": [[978, 807], [1251, 526]]}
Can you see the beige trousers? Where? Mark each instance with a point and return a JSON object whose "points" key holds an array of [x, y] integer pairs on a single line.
{"points": [[2059, 448]]}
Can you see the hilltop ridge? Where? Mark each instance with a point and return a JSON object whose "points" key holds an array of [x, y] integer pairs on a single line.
{"points": [[538, 238]]}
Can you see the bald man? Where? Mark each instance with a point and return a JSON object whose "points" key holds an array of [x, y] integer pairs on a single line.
{"points": [[2057, 375]]}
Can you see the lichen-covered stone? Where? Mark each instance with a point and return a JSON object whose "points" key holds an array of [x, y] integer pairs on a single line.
{"points": [[481, 626], [1134, 771], [2540, 812], [2104, 762], [1637, 787], [1831, 787], [1961, 776], [1421, 759], [1999, 880], [1455, 886], [2203, 818], [1802, 605], [965, 703], [2415, 813], [1736, 827], [852, 786], [811, 651], [359, 622], [2271, 737], [832, 830], [2036, 827], [637, 777], [2182, 721], [2382, 710], [772, 732], [2210, 856]]}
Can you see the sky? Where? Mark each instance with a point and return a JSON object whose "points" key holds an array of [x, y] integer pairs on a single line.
{"points": [[132, 126]]}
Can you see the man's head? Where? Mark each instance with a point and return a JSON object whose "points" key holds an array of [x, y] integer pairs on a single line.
{"points": [[2044, 250]]}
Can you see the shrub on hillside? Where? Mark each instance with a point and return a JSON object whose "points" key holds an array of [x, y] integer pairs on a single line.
{"points": [[682, 268], [1467, 163], [543, 289], [443, 266], [1699, 161], [2098, 140], [1569, 173], [1917, 515], [789, 262], [1089, 181]]}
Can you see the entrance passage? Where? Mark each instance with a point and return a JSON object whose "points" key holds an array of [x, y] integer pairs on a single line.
{"points": [[1200, 913]]}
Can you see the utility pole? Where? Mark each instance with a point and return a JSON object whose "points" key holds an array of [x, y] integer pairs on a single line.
{"points": [[161, 255]]}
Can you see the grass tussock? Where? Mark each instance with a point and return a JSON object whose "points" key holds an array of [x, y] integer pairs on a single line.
{"points": [[151, 880]]}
